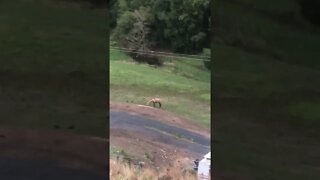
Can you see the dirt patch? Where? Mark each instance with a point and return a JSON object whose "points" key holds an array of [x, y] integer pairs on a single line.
{"points": [[140, 148]]}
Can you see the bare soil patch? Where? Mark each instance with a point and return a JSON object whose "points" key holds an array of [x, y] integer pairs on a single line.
{"points": [[139, 148]]}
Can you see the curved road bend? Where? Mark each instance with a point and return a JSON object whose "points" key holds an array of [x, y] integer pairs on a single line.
{"points": [[194, 144]]}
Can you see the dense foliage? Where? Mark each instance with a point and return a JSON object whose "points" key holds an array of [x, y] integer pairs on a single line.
{"points": [[178, 25], [96, 3]]}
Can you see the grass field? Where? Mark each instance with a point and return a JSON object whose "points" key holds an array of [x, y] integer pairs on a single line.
{"points": [[58, 41], [53, 66], [183, 85], [266, 92]]}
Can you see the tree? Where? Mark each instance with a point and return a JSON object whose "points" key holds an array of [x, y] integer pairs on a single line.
{"points": [[132, 32], [113, 9], [181, 25], [138, 36], [184, 24]]}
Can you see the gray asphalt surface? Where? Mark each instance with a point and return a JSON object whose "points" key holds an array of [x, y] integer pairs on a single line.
{"points": [[194, 144], [13, 169]]}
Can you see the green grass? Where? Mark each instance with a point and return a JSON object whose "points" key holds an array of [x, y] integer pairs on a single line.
{"points": [[183, 86], [259, 76], [264, 114], [252, 31], [154, 79], [306, 110], [266, 92], [118, 55], [56, 41], [42, 42]]}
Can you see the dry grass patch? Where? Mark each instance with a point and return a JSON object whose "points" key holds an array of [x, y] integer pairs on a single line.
{"points": [[122, 171]]}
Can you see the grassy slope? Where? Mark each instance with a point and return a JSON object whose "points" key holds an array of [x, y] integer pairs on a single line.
{"points": [[266, 107], [253, 29], [41, 42], [183, 86], [51, 42]]}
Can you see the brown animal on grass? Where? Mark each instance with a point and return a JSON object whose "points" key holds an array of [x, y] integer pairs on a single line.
{"points": [[155, 101]]}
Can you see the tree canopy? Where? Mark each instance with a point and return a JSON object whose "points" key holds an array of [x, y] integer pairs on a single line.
{"points": [[177, 25]]}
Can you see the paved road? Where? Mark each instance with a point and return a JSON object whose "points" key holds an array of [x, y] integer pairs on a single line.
{"points": [[12, 169], [195, 144]]}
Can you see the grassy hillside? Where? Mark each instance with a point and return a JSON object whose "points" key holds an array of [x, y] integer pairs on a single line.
{"points": [[45, 37], [53, 65], [275, 31], [266, 91], [183, 85]]}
